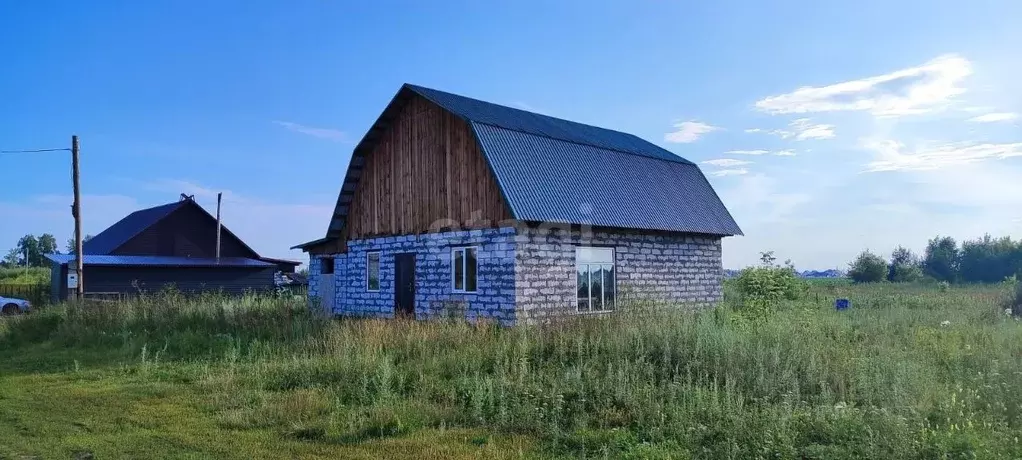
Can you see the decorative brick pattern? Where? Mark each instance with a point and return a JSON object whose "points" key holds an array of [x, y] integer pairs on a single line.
{"points": [[434, 293], [314, 268], [525, 274], [671, 268]]}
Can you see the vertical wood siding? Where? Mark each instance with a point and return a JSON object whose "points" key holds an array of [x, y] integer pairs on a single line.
{"points": [[426, 168]]}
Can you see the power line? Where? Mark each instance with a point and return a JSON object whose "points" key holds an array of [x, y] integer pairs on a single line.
{"points": [[36, 150]]}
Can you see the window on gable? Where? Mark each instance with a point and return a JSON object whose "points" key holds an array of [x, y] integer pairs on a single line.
{"points": [[594, 269], [326, 266], [463, 269], [373, 271]]}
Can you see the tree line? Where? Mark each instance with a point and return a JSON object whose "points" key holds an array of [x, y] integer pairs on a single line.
{"points": [[31, 251], [982, 260]]}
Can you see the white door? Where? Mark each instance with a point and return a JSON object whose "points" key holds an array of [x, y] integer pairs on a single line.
{"points": [[327, 296]]}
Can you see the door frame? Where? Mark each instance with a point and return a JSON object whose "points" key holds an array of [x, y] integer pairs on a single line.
{"points": [[398, 258]]}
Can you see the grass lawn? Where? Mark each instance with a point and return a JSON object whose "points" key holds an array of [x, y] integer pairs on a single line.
{"points": [[908, 372]]}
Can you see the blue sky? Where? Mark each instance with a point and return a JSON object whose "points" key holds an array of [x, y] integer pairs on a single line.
{"points": [[826, 127]]}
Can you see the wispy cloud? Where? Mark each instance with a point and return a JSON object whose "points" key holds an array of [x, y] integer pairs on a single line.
{"points": [[689, 131], [894, 156], [909, 91], [800, 129], [729, 172], [322, 133], [994, 117], [747, 152], [785, 153], [726, 162]]}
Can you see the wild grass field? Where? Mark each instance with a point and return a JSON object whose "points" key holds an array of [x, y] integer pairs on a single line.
{"points": [[909, 372]]}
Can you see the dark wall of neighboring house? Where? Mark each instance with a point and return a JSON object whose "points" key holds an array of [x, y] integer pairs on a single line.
{"points": [[186, 232], [192, 280]]}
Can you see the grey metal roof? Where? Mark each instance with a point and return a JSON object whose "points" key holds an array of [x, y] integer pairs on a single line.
{"points": [[551, 180], [557, 170], [159, 261], [477, 111], [127, 228]]}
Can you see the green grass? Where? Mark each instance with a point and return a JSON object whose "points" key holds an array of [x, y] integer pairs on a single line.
{"points": [[908, 372], [33, 275]]}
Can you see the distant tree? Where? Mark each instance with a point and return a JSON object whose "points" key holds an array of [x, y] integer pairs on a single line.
{"points": [[70, 248], [47, 245], [904, 266], [867, 268], [28, 250], [942, 258], [12, 259], [989, 260]]}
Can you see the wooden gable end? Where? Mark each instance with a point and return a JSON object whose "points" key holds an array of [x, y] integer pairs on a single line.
{"points": [[188, 231], [425, 173]]}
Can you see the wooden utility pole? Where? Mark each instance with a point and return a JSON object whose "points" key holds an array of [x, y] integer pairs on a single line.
{"points": [[77, 211]]}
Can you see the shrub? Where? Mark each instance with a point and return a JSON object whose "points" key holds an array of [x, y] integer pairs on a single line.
{"points": [[905, 266], [758, 287], [867, 268]]}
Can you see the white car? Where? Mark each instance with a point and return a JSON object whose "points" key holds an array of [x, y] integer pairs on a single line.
{"points": [[12, 306]]}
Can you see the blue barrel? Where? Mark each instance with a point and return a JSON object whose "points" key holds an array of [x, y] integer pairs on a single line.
{"points": [[842, 304]]}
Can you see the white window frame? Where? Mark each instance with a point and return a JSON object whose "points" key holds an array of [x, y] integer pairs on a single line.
{"points": [[379, 269], [464, 269], [603, 294]]}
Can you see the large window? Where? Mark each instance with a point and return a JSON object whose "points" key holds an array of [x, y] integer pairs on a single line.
{"points": [[463, 269], [373, 271], [595, 270]]}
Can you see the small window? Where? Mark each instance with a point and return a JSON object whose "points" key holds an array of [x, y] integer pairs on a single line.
{"points": [[463, 264], [595, 279], [326, 266], [373, 271]]}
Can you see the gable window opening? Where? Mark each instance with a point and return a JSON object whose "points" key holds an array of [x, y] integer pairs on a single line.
{"points": [[463, 262], [326, 266], [596, 290], [372, 271]]}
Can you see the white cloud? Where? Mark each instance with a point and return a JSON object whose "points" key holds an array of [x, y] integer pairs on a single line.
{"points": [[785, 153], [730, 172], [726, 162], [322, 133], [914, 90], [994, 117], [894, 156], [800, 129], [746, 152], [689, 131]]}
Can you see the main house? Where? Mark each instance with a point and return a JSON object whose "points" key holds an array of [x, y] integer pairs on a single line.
{"points": [[171, 244], [455, 206]]}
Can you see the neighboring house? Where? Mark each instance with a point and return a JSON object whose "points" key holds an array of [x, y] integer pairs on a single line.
{"points": [[169, 244], [455, 206]]}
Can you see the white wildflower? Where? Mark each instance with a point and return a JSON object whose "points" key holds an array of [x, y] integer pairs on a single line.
{"points": [[945, 323]]}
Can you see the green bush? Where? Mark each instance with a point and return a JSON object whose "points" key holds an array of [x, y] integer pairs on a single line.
{"points": [[759, 287], [867, 268]]}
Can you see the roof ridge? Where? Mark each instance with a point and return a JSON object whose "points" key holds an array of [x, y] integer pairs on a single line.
{"points": [[417, 89], [680, 159]]}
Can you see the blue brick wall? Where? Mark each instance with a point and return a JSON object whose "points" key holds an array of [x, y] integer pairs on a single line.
{"points": [[434, 293]]}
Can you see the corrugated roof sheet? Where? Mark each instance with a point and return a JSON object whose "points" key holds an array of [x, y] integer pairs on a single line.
{"points": [[159, 261], [484, 112], [554, 170], [551, 180], [127, 228]]}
